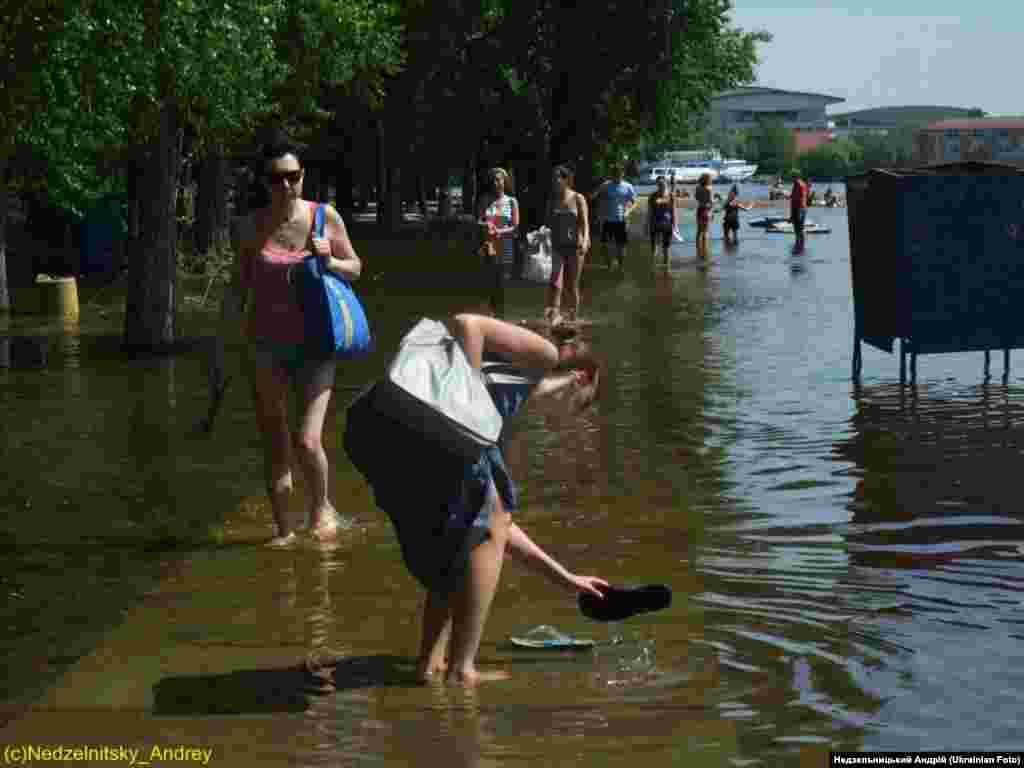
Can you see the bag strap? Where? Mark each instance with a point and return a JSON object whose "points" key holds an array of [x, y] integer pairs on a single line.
{"points": [[318, 221]]}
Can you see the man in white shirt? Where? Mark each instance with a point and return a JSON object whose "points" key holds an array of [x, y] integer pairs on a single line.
{"points": [[618, 199]]}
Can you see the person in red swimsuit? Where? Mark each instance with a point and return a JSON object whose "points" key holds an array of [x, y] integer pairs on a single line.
{"points": [[704, 203], [272, 241], [798, 210]]}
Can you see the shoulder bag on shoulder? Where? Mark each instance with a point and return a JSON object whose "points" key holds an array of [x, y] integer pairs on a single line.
{"points": [[335, 322]]}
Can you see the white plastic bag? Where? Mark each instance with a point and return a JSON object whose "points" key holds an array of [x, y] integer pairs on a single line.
{"points": [[537, 262]]}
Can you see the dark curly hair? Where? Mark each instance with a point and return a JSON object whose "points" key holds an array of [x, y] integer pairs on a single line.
{"points": [[279, 146]]}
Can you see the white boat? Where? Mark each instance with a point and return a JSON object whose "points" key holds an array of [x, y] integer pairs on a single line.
{"points": [[687, 166], [688, 173], [735, 170]]}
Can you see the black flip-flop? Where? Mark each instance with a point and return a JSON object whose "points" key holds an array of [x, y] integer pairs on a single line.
{"points": [[621, 602]]}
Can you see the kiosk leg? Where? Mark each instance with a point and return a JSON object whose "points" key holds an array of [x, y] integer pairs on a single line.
{"points": [[903, 362], [913, 367], [988, 361], [856, 358], [1006, 366]]}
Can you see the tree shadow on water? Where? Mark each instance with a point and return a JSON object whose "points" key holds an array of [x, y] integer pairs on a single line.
{"points": [[287, 689]]}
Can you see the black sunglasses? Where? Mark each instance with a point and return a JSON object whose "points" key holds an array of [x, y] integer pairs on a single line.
{"points": [[293, 177]]}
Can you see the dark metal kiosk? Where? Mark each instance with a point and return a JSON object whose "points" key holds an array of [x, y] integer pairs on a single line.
{"points": [[937, 256]]}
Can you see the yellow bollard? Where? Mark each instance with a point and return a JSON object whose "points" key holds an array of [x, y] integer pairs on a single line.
{"points": [[58, 296]]}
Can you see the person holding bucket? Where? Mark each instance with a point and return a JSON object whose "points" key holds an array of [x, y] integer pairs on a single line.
{"points": [[272, 243]]}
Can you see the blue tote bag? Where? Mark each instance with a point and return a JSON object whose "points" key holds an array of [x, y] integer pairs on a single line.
{"points": [[335, 322]]}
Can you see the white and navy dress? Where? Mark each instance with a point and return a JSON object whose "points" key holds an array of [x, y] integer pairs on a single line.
{"points": [[439, 504]]}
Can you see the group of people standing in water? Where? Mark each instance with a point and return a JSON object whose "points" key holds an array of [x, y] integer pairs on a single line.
{"points": [[569, 220], [452, 516]]}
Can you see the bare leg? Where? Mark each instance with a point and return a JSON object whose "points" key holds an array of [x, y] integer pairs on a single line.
{"points": [[554, 303], [270, 388], [573, 271], [472, 601], [315, 393], [437, 627]]}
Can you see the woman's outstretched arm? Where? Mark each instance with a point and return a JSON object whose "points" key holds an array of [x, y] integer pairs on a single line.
{"points": [[536, 559]]}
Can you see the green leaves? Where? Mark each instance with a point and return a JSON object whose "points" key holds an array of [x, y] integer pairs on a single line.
{"points": [[90, 76]]}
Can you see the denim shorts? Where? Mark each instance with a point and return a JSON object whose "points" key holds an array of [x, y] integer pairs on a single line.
{"points": [[436, 543], [293, 360]]}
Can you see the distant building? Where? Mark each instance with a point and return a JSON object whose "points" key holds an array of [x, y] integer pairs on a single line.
{"points": [[881, 120], [802, 112], [994, 139]]}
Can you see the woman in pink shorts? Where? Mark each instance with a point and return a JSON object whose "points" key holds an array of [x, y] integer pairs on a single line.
{"points": [[570, 240]]}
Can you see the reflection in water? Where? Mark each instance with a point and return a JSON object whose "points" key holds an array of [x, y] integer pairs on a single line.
{"points": [[936, 474], [844, 569]]}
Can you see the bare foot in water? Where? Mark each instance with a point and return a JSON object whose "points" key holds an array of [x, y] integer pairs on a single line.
{"points": [[428, 673], [324, 526], [282, 541], [471, 677]]}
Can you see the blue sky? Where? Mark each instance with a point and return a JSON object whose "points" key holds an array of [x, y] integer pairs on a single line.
{"points": [[901, 52]]}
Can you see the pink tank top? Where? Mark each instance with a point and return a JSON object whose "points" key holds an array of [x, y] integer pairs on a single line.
{"points": [[276, 314]]}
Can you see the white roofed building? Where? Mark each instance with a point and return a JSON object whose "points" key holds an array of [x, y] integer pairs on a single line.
{"points": [[802, 112]]}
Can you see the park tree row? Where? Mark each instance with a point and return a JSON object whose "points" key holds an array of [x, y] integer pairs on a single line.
{"points": [[101, 95]]}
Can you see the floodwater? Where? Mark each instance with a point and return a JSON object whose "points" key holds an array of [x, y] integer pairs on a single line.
{"points": [[847, 563]]}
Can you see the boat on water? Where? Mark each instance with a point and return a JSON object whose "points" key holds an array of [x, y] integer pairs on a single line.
{"points": [[766, 221], [733, 170], [786, 228], [687, 173], [687, 166]]}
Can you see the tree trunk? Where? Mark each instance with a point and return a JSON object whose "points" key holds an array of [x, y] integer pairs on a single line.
{"points": [[311, 183], [324, 190], [469, 187], [344, 178], [211, 201], [151, 309], [5, 294], [242, 192], [444, 198], [382, 180], [394, 196]]}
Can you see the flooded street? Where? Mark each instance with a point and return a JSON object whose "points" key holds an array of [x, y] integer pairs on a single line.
{"points": [[847, 562]]}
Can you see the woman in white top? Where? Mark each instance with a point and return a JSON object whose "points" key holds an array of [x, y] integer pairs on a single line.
{"points": [[498, 217]]}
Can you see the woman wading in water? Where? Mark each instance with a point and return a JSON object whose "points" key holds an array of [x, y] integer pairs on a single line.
{"points": [[453, 515], [272, 241], [661, 216], [704, 203], [498, 217], [570, 240]]}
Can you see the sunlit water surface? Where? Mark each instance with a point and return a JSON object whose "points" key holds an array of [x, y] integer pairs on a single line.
{"points": [[847, 562]]}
